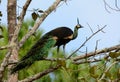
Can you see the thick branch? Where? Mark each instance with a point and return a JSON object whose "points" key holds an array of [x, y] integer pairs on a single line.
{"points": [[20, 20], [39, 75], [38, 23], [105, 50], [13, 39]]}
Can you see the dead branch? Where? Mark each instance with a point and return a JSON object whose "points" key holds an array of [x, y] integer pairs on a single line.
{"points": [[107, 5], [90, 27], [92, 61], [105, 50], [95, 48], [41, 74], [116, 4], [38, 23], [86, 41]]}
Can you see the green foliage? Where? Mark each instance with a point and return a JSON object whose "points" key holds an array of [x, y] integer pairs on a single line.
{"points": [[31, 41], [114, 54], [3, 41], [69, 72]]}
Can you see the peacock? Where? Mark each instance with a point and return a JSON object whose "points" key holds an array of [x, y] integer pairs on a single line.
{"points": [[56, 37]]}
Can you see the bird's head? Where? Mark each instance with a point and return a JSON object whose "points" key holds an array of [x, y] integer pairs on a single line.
{"points": [[78, 25]]}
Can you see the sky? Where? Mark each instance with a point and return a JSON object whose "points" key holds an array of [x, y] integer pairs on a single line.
{"points": [[90, 12]]}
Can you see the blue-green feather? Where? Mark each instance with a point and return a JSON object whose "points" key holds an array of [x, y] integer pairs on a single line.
{"points": [[37, 52]]}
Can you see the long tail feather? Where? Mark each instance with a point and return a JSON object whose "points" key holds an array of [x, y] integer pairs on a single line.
{"points": [[22, 64], [37, 52]]}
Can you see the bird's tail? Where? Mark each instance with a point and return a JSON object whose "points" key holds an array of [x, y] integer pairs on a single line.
{"points": [[21, 64], [37, 52]]}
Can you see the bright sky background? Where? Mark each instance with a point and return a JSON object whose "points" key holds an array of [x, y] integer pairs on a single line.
{"points": [[88, 11]]}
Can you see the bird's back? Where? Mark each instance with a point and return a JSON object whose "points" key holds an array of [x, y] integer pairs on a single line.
{"points": [[61, 32]]}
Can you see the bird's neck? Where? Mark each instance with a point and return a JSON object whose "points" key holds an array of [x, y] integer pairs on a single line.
{"points": [[75, 33]]}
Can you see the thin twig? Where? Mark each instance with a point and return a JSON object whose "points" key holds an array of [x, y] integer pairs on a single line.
{"points": [[116, 4], [107, 5], [96, 48], [86, 41], [90, 28]]}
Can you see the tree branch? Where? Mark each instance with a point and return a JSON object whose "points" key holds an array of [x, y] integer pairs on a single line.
{"points": [[41, 74], [20, 20], [4, 64], [7, 46], [15, 36], [105, 50], [38, 23], [107, 5]]}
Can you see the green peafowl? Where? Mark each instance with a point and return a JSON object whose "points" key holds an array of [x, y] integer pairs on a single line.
{"points": [[57, 37]]}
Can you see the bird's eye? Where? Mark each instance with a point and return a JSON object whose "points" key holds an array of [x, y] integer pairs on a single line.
{"points": [[78, 26]]}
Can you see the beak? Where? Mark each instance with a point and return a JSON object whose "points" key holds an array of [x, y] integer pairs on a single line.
{"points": [[82, 26]]}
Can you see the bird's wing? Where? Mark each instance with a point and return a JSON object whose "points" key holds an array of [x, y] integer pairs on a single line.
{"points": [[61, 32]]}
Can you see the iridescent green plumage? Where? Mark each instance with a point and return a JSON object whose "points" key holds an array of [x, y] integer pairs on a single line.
{"points": [[37, 52], [56, 37]]}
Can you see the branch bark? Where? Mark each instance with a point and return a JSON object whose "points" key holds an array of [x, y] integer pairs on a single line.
{"points": [[11, 12], [41, 74], [105, 50], [13, 34]]}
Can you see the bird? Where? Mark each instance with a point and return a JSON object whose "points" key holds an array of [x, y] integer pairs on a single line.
{"points": [[65, 35], [56, 37]]}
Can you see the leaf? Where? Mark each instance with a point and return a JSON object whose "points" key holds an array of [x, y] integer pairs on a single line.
{"points": [[0, 14], [93, 71], [62, 62], [18, 17], [34, 16], [114, 54], [108, 74], [94, 75], [41, 11]]}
